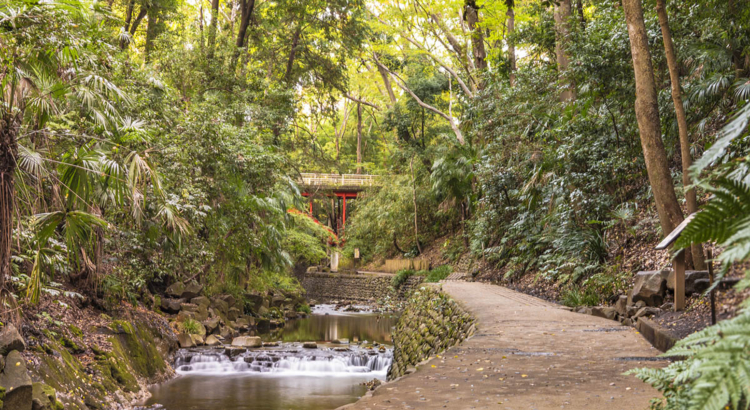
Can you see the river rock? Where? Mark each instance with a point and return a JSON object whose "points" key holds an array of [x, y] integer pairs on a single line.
{"points": [[184, 315], [219, 305], [247, 341], [185, 341], [201, 301], [171, 305], [175, 290], [10, 340], [234, 351], [604, 311], [233, 313], [310, 345], [647, 311], [212, 340], [198, 340], [290, 314], [254, 300], [278, 300], [188, 307], [650, 287], [17, 383], [191, 290], [621, 306], [696, 281], [43, 397], [229, 299], [342, 341]]}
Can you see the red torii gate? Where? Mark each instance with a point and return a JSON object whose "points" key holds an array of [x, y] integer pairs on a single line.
{"points": [[343, 186]]}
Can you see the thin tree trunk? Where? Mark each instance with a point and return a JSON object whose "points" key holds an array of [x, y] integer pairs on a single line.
{"points": [[8, 155], [674, 76], [387, 83], [292, 53], [414, 197], [151, 32], [246, 15], [359, 138], [511, 46], [212, 30], [562, 32], [128, 19], [647, 114], [581, 17], [138, 19], [477, 37]]}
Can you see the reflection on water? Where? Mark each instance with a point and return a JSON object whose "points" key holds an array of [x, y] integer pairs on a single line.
{"points": [[248, 391], [365, 326], [288, 377]]}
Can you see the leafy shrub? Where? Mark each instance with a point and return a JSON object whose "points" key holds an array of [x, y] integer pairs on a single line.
{"points": [[305, 308], [575, 296], [452, 250], [401, 277], [191, 326], [439, 273]]}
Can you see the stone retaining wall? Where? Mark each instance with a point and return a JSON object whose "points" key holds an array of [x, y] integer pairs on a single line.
{"points": [[431, 323], [355, 287]]}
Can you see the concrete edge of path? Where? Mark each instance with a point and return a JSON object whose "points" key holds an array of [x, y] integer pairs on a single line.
{"points": [[659, 336]]}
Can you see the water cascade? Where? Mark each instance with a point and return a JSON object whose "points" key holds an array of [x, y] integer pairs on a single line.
{"points": [[288, 360]]}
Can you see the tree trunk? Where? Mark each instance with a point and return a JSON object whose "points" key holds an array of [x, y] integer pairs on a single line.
{"points": [[8, 155], [647, 114], [246, 14], [414, 197], [359, 138], [212, 30], [679, 108], [562, 32], [141, 15], [387, 83], [471, 13], [128, 19], [511, 46], [292, 53], [581, 17], [151, 32]]}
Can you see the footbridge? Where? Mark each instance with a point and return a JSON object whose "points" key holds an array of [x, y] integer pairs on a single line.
{"points": [[336, 188]]}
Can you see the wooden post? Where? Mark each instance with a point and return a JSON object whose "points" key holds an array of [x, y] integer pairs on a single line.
{"points": [[711, 281], [679, 281]]}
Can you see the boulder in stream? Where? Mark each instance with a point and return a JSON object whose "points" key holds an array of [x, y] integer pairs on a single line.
{"points": [[310, 345], [247, 341]]}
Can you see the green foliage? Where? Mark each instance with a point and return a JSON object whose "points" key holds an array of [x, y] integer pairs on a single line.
{"points": [[439, 273], [401, 277], [304, 308], [190, 326], [575, 296]]}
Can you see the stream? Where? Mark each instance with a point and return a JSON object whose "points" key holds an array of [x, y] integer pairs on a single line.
{"points": [[286, 376]]}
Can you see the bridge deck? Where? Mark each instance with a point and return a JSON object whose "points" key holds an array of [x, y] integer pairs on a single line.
{"points": [[342, 182]]}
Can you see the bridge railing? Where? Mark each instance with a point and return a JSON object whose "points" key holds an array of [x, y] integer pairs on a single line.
{"points": [[349, 180]]}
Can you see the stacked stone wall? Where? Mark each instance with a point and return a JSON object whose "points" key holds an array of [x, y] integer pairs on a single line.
{"points": [[431, 323], [323, 287]]}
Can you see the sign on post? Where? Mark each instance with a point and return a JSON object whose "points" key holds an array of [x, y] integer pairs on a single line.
{"points": [[678, 262]]}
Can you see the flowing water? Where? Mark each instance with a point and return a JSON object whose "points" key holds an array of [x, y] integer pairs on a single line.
{"points": [[288, 376]]}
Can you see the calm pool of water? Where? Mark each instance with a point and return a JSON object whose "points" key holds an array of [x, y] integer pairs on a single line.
{"points": [[287, 377]]}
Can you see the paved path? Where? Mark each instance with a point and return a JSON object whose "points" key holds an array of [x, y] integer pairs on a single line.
{"points": [[526, 354]]}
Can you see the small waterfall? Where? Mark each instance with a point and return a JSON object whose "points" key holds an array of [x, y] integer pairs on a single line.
{"points": [[287, 360]]}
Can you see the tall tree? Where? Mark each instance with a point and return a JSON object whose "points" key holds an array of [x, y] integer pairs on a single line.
{"points": [[213, 29], [682, 125], [647, 114], [359, 137], [511, 17], [562, 34], [471, 15]]}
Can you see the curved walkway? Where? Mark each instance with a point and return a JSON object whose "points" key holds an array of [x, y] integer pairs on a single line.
{"points": [[526, 354]]}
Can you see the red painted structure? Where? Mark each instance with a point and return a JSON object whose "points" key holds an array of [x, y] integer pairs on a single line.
{"points": [[341, 197]]}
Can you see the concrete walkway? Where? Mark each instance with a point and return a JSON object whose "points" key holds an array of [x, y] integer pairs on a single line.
{"points": [[526, 354]]}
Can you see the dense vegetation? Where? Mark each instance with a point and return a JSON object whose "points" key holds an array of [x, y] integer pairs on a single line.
{"points": [[144, 142]]}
